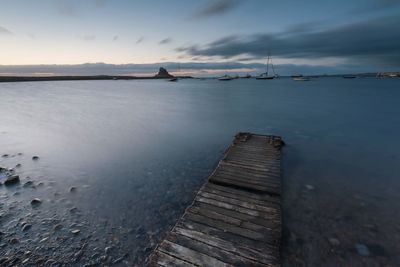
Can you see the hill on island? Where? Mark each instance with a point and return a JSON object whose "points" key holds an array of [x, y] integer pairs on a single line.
{"points": [[163, 73]]}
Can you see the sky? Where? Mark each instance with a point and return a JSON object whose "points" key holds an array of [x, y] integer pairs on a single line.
{"points": [[200, 37]]}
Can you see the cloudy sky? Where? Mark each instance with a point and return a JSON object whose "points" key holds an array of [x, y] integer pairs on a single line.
{"points": [[204, 36]]}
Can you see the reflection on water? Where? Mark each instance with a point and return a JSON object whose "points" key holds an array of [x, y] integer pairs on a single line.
{"points": [[137, 151]]}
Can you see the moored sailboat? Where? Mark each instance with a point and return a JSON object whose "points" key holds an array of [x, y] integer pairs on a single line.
{"points": [[265, 76]]}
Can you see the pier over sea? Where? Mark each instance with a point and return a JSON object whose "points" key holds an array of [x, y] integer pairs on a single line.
{"points": [[235, 218]]}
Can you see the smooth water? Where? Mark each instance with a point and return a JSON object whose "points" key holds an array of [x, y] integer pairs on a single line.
{"points": [[137, 152]]}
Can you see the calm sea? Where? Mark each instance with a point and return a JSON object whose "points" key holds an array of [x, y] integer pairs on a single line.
{"points": [[137, 152]]}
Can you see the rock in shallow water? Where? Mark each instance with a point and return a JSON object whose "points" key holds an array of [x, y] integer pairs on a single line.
{"points": [[362, 249], [72, 189], [28, 184], [36, 202], [26, 227], [76, 231], [11, 180]]}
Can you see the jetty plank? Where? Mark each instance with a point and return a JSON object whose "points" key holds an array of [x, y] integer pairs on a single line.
{"points": [[235, 218]]}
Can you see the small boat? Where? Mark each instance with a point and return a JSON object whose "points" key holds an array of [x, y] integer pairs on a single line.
{"points": [[349, 76], [300, 78], [225, 78], [174, 79], [265, 76]]}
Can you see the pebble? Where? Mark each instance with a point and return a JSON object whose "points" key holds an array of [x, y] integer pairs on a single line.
{"points": [[107, 250], [362, 249], [11, 180], [36, 202], [72, 189], [57, 227], [18, 165], [5, 155], [76, 231], [49, 262], [35, 158], [118, 260], [26, 227], [25, 261], [44, 240], [13, 241], [27, 184], [73, 210]]}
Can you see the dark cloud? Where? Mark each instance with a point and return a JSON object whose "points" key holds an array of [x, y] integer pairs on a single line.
{"points": [[141, 39], [165, 41], [216, 8], [375, 40], [4, 31], [378, 5]]}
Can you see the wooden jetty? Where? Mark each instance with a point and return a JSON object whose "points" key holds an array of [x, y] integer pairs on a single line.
{"points": [[235, 219]]}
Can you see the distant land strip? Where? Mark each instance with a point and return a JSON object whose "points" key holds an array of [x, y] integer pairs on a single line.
{"points": [[78, 78]]}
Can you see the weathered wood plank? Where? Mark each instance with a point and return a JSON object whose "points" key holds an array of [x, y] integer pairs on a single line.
{"points": [[240, 203], [243, 251], [235, 208], [241, 193], [271, 224], [190, 255], [212, 251], [245, 185], [225, 235], [237, 196], [235, 218], [165, 260]]}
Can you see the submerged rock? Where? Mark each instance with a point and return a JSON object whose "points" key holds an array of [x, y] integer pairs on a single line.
{"points": [[13, 241], [362, 249], [28, 184], [334, 241], [57, 227], [11, 180], [310, 187], [73, 189]]}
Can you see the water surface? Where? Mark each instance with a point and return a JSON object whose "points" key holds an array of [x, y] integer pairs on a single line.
{"points": [[138, 151]]}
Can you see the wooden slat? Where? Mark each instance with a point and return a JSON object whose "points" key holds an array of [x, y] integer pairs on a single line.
{"points": [[235, 218]]}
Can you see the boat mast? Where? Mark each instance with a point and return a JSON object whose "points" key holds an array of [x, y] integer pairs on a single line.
{"points": [[267, 64], [273, 69]]}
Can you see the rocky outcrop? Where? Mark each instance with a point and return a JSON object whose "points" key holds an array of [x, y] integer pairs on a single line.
{"points": [[163, 73]]}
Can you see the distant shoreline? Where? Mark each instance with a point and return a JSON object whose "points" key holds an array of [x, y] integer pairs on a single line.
{"points": [[4, 79]]}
